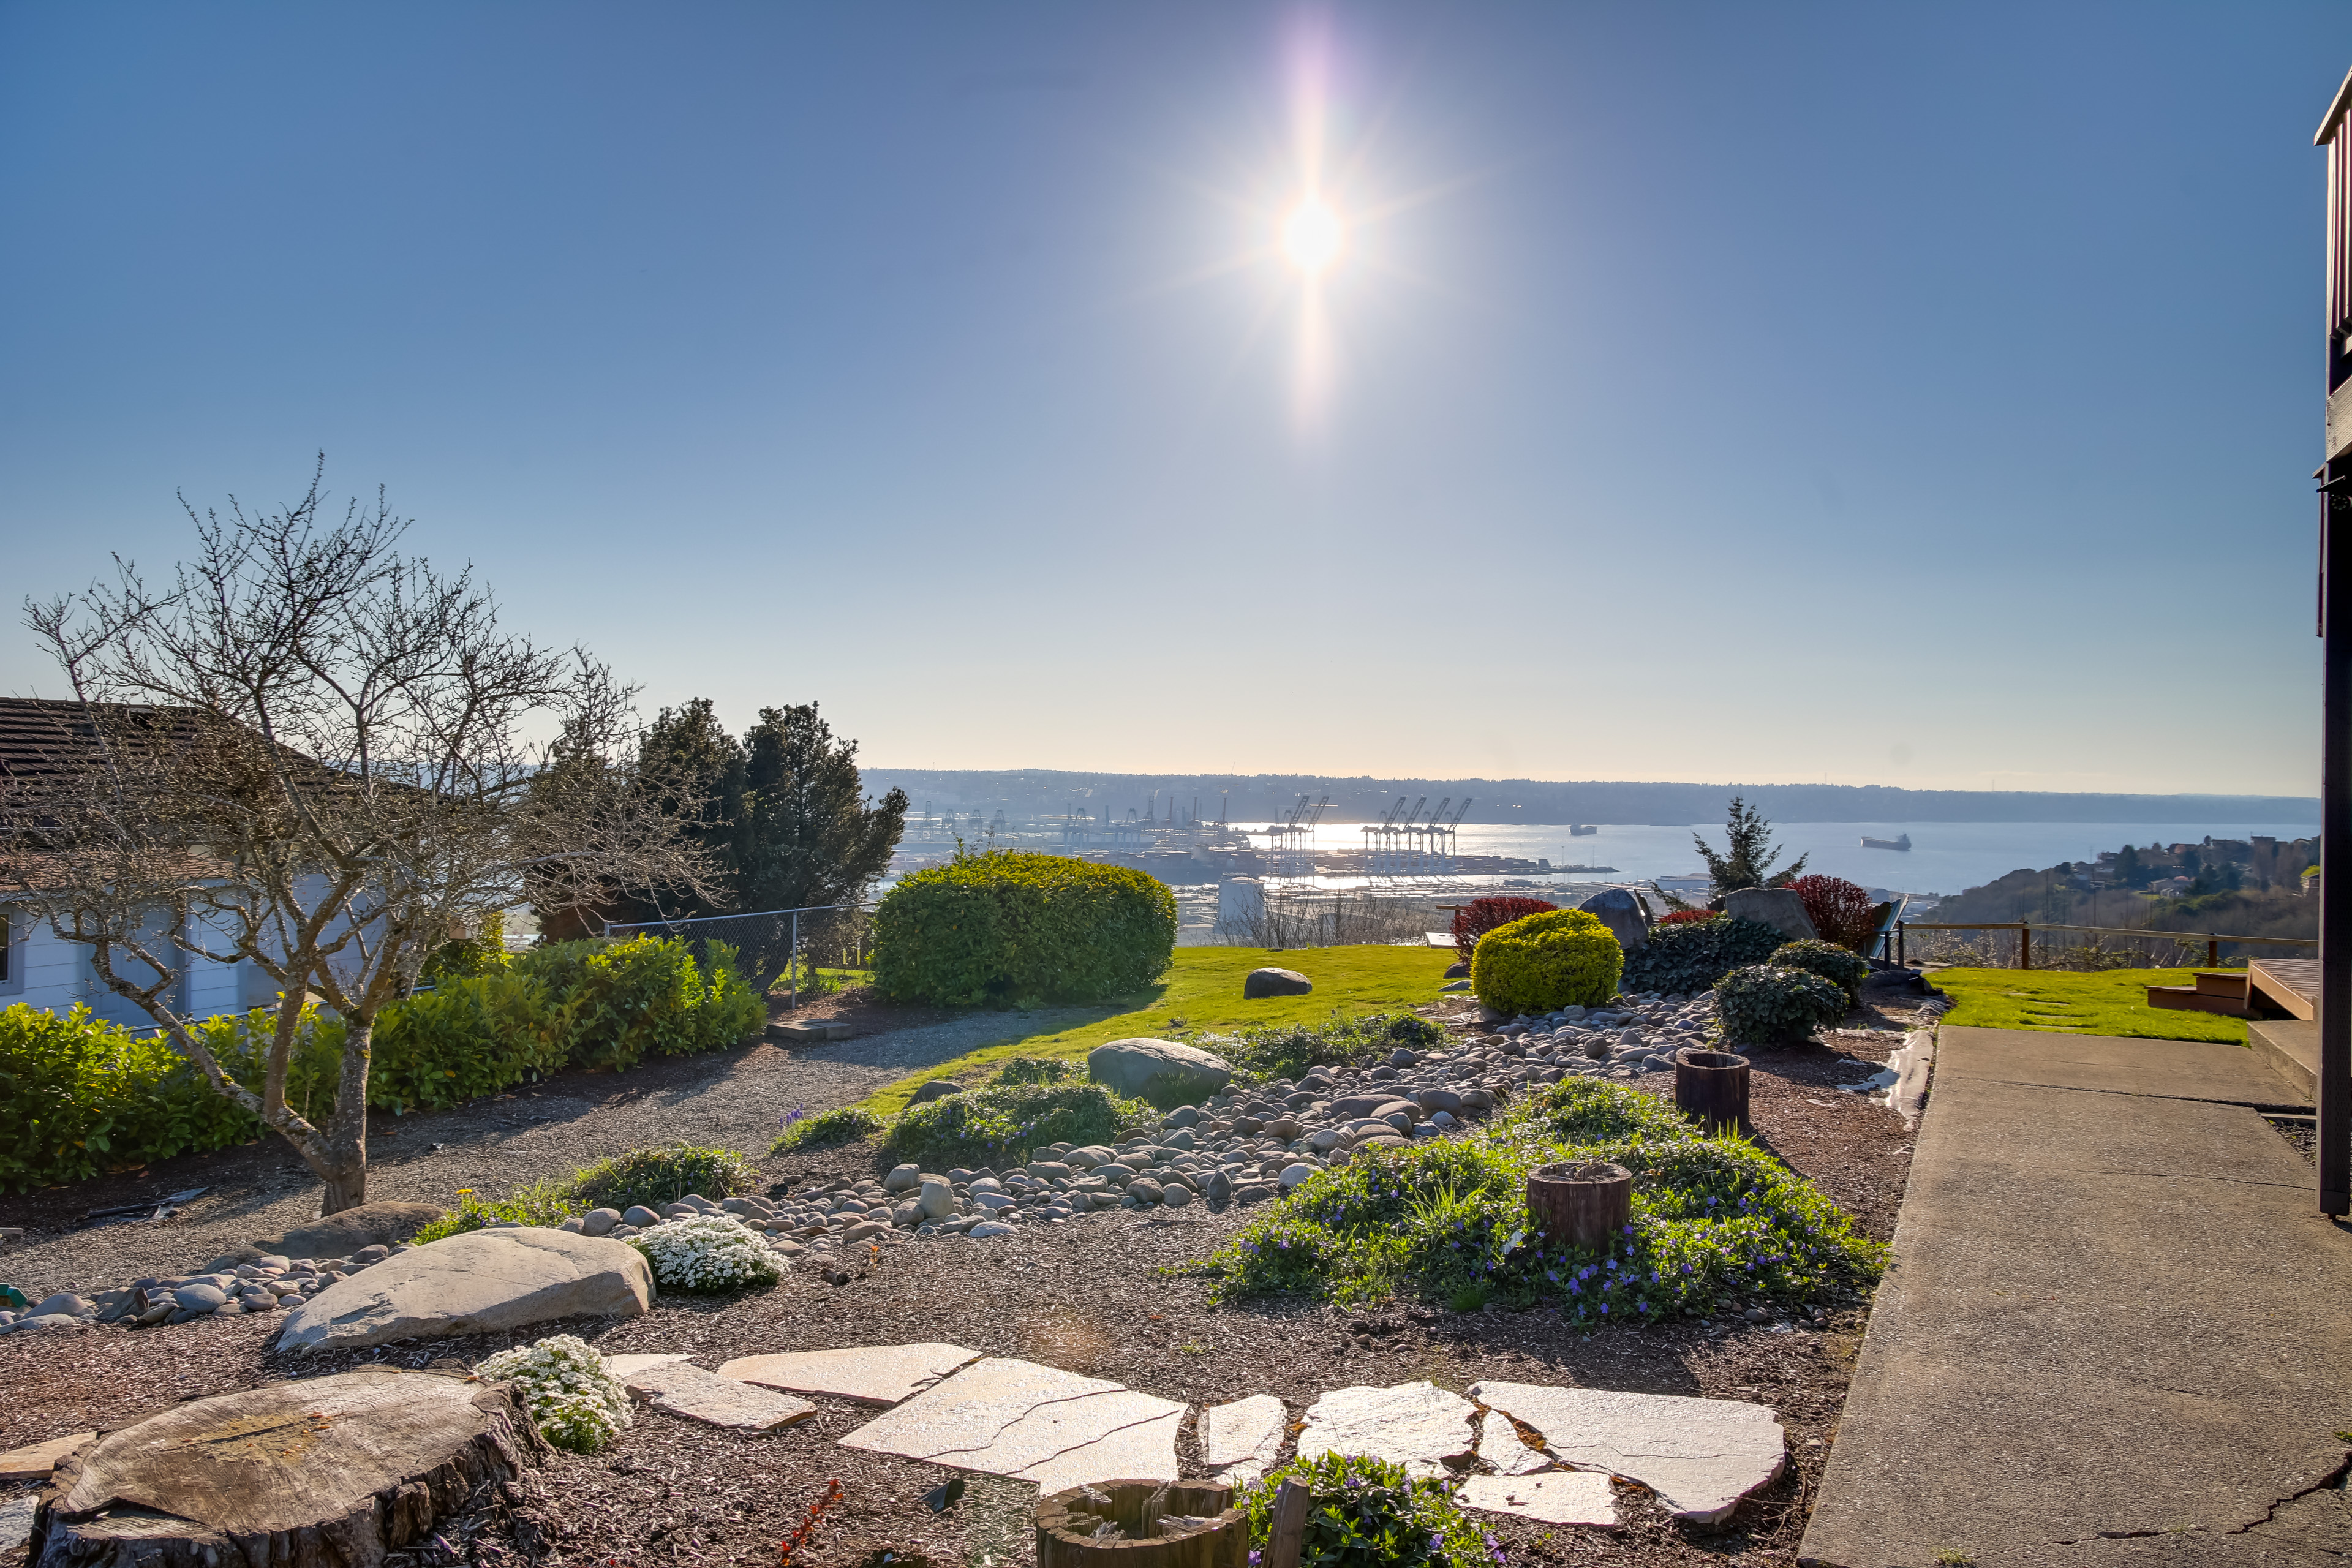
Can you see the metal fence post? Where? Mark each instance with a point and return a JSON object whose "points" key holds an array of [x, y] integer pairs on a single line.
{"points": [[793, 962]]}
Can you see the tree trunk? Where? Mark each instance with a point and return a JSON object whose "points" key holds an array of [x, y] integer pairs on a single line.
{"points": [[1584, 1203], [345, 1166], [1711, 1088]]}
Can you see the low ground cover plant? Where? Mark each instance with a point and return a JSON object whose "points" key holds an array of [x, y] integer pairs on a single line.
{"points": [[1260, 1053], [576, 1404], [1686, 958], [709, 1252], [1715, 1221], [1841, 967], [661, 1176], [540, 1204], [1365, 1513], [1003, 1122], [829, 1131], [1765, 1004], [1538, 962], [1479, 916], [1009, 928]]}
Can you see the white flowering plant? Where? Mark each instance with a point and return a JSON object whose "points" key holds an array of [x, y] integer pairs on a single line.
{"points": [[709, 1252], [577, 1403]]}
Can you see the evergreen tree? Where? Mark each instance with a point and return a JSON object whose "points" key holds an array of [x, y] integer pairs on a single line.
{"points": [[1750, 863], [806, 835], [2128, 870]]}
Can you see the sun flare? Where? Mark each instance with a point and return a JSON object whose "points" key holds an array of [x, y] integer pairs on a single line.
{"points": [[1312, 236]]}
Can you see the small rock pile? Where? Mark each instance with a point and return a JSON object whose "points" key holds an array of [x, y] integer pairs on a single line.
{"points": [[264, 1285]]}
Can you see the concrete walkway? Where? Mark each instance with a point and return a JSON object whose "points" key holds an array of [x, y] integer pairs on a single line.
{"points": [[2115, 1329]]}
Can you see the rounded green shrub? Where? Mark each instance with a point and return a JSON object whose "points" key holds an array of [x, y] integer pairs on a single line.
{"points": [[1546, 961], [1002, 1123], [1842, 967], [1689, 957], [661, 1176], [1764, 1005], [829, 1131], [1005, 927]]}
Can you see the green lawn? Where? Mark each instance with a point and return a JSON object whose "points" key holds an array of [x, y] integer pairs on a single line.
{"points": [[1204, 991], [2110, 1002]]}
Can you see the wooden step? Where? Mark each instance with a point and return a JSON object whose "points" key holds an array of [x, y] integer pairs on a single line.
{"points": [[2188, 999], [2229, 983]]}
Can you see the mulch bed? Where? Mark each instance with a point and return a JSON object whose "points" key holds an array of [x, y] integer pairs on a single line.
{"points": [[1090, 1297]]}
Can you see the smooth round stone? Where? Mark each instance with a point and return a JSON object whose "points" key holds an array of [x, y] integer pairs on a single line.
{"points": [[229, 1309], [1175, 1195], [203, 1298], [987, 1228]]}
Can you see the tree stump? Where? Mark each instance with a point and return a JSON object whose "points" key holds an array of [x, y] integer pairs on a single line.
{"points": [[1585, 1203], [1142, 1524], [1711, 1089], [321, 1472]]}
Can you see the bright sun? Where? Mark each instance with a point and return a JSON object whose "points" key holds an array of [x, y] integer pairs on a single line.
{"points": [[1311, 236]]}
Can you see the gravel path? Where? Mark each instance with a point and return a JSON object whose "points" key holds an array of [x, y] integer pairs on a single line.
{"points": [[548, 1131]]}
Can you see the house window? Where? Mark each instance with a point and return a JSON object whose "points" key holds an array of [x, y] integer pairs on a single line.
{"points": [[12, 959]]}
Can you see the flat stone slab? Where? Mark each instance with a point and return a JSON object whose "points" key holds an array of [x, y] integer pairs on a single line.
{"points": [[16, 1521], [867, 1374], [34, 1461], [679, 1389], [1416, 1425], [1032, 1422], [341, 1235], [1700, 1456], [624, 1367], [1559, 1497], [1500, 1446], [470, 1284], [1241, 1441]]}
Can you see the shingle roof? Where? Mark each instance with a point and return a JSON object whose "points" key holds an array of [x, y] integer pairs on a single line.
{"points": [[40, 738]]}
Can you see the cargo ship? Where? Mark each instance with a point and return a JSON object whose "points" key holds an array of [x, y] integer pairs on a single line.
{"points": [[1902, 842]]}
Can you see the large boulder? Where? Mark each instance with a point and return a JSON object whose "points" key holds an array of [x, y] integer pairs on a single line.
{"points": [[1779, 908], [473, 1283], [1623, 913], [938, 1089], [1160, 1070], [341, 1235], [1274, 983]]}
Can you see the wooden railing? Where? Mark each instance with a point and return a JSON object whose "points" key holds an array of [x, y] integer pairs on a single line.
{"points": [[2025, 930]]}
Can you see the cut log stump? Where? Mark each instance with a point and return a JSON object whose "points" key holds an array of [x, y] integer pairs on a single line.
{"points": [[1142, 1524], [1711, 1089], [321, 1472], [1585, 1203]]}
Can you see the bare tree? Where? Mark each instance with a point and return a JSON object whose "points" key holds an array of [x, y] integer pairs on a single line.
{"points": [[313, 755]]}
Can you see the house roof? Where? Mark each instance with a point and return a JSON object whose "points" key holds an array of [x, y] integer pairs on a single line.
{"points": [[43, 739]]}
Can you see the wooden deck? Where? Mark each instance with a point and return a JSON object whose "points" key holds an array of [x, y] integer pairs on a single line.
{"points": [[2290, 984]]}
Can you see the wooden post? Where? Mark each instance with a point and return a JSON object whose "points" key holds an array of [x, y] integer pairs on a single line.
{"points": [[2025, 945], [1585, 1203], [1711, 1089], [1155, 1524], [2213, 953], [1287, 1528], [1902, 947]]}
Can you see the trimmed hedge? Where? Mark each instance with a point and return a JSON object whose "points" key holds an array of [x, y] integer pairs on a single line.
{"points": [[1540, 961], [1479, 916], [1691, 956], [1762, 1005], [1842, 967], [1007, 926]]}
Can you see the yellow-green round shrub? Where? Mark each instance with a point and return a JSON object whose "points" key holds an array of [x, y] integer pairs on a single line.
{"points": [[1008, 926], [1564, 958]]}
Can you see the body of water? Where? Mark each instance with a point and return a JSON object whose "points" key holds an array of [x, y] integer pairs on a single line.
{"points": [[1944, 858]]}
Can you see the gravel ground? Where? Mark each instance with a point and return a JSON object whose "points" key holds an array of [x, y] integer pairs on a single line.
{"points": [[732, 1098], [1105, 1295]]}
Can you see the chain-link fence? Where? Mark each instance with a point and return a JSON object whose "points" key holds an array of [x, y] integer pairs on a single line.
{"points": [[769, 948]]}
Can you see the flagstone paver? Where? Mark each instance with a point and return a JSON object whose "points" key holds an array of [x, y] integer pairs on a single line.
{"points": [[689, 1391], [1700, 1456], [1241, 1441], [1559, 1497], [1416, 1425], [626, 1367], [1500, 1446], [867, 1374], [1016, 1418]]}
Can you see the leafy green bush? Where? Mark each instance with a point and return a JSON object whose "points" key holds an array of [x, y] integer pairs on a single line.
{"points": [[1365, 1513], [1260, 1052], [1716, 1220], [473, 1036], [829, 1131], [1033, 1069], [1541, 961], [542, 1203], [1692, 957], [1002, 1123], [1763, 1005], [80, 1096], [1004, 927], [1842, 967], [484, 952], [661, 1176]]}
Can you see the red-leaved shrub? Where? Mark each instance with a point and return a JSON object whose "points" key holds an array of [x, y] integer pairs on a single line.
{"points": [[1839, 911], [1685, 917], [1479, 916]]}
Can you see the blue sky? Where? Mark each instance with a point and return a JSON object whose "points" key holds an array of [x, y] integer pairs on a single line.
{"points": [[1904, 395]]}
